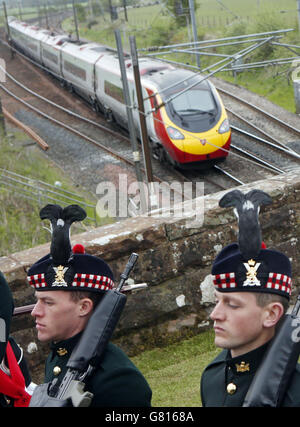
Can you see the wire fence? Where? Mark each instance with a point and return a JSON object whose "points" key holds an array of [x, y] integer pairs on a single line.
{"points": [[43, 193]]}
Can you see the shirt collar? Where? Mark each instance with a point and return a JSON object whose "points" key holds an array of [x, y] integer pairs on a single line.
{"points": [[65, 347]]}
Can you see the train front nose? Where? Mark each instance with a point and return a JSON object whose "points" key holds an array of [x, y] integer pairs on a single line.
{"points": [[201, 147]]}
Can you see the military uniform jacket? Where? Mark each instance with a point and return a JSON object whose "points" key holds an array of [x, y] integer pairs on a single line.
{"points": [[226, 380], [115, 382]]}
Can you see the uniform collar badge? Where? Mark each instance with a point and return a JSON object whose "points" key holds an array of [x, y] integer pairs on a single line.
{"points": [[242, 367], [62, 351], [251, 267]]}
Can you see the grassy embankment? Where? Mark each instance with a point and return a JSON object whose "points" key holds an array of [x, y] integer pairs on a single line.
{"points": [[174, 372], [20, 225]]}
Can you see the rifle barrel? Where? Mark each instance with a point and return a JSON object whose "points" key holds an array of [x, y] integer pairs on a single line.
{"points": [[127, 288], [23, 309]]}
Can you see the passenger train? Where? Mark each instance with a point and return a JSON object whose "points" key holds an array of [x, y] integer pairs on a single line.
{"points": [[186, 120]]}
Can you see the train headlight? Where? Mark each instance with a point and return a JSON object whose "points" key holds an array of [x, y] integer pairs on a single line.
{"points": [[224, 126], [174, 133]]}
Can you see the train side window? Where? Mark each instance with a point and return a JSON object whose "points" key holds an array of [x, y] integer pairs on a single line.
{"points": [[50, 56], [75, 70], [114, 91]]}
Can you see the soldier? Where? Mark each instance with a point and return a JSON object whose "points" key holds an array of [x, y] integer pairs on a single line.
{"points": [[15, 382], [68, 286], [252, 290]]}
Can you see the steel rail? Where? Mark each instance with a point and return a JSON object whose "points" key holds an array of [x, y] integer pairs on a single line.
{"points": [[80, 134], [260, 110], [64, 109], [69, 128], [184, 178], [257, 159], [85, 119], [110, 151], [271, 144], [229, 175], [266, 134], [71, 113]]}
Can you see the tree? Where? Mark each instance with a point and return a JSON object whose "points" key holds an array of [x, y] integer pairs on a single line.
{"points": [[81, 13]]}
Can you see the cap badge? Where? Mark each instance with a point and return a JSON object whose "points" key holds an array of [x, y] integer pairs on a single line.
{"points": [[59, 277], [242, 367], [251, 267]]}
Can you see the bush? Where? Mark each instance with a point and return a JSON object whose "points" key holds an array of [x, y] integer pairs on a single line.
{"points": [[161, 34]]}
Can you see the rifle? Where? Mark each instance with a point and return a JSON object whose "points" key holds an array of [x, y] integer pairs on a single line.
{"points": [[87, 353], [24, 309], [276, 369]]}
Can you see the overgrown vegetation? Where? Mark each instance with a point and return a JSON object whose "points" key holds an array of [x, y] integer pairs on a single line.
{"points": [[20, 225]]}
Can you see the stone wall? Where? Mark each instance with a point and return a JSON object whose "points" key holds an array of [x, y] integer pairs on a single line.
{"points": [[175, 262]]}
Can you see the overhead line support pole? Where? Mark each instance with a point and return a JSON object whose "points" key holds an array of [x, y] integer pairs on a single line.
{"points": [[298, 8], [131, 128], [143, 125], [194, 28], [142, 117], [75, 21]]}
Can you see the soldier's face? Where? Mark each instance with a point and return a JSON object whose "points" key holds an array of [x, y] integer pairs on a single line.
{"points": [[239, 323], [57, 316]]}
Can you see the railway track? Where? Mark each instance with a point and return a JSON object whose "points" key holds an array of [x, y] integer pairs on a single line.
{"points": [[267, 115], [219, 177], [258, 153], [64, 114], [256, 126], [166, 173]]}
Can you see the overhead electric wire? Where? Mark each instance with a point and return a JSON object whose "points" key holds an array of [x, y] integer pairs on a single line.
{"points": [[94, 123], [153, 48], [230, 58]]}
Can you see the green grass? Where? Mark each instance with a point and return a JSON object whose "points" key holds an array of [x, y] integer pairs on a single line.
{"points": [[276, 88], [20, 224], [174, 372], [144, 21], [20, 156], [244, 8]]}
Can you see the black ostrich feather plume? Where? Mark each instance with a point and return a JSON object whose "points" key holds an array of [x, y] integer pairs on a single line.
{"points": [[61, 220], [246, 207]]}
